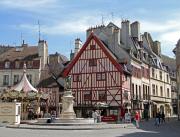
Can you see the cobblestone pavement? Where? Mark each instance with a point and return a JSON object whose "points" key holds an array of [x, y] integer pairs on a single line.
{"points": [[147, 129]]}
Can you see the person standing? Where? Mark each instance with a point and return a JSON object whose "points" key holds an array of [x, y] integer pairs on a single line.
{"points": [[95, 115], [137, 119]]}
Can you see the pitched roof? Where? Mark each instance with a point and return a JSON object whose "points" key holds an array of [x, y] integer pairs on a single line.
{"points": [[4, 48], [103, 47], [21, 53], [51, 75], [170, 62]]}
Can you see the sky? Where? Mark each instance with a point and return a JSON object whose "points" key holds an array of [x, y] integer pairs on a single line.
{"points": [[62, 21]]}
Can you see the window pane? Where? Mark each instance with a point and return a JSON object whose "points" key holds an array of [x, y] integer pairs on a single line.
{"points": [[92, 62], [87, 95], [7, 64], [102, 95], [6, 80], [16, 79], [92, 47]]}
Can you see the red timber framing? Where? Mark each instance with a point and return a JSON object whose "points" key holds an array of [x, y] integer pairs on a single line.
{"points": [[96, 75]]}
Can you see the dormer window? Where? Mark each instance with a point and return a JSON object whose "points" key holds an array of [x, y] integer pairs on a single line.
{"points": [[29, 64], [7, 64], [17, 64]]}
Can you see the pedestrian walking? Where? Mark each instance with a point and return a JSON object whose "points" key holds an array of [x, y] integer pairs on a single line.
{"points": [[157, 119], [137, 119], [162, 117]]}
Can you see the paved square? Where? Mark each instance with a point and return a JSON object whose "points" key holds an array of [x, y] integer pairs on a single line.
{"points": [[147, 129]]}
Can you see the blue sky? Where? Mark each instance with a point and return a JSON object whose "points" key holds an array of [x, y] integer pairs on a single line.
{"points": [[64, 20]]}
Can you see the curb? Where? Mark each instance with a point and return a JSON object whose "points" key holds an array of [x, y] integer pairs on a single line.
{"points": [[69, 127]]}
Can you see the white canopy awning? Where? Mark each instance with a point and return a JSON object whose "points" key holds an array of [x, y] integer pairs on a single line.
{"points": [[24, 85]]}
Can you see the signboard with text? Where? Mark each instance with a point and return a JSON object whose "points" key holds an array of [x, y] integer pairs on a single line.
{"points": [[111, 118]]}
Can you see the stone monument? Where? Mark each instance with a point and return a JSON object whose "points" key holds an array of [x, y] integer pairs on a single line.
{"points": [[67, 106], [68, 115], [67, 102]]}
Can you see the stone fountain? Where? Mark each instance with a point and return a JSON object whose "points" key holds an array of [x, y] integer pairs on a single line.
{"points": [[68, 115], [67, 106]]}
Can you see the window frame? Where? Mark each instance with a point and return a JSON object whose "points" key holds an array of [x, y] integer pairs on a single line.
{"points": [[101, 76], [92, 47], [92, 62], [7, 64], [87, 95], [77, 78], [5, 80], [102, 97], [17, 79]]}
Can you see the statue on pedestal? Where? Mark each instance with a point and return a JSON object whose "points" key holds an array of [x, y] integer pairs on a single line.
{"points": [[67, 101]]}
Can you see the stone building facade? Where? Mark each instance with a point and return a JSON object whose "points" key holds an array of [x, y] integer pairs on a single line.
{"points": [[177, 53], [12, 61]]}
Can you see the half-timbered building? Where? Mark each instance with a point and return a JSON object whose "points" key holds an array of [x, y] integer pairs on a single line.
{"points": [[98, 80]]}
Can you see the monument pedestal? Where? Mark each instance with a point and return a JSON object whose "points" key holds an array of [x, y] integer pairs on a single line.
{"points": [[67, 116], [67, 106]]}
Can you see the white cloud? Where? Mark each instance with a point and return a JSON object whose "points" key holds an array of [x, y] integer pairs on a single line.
{"points": [[28, 5], [79, 25], [159, 26], [171, 37], [167, 32]]}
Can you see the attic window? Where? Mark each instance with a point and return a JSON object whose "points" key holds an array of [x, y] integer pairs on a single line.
{"points": [[29, 64], [92, 47], [17, 64], [7, 64]]}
